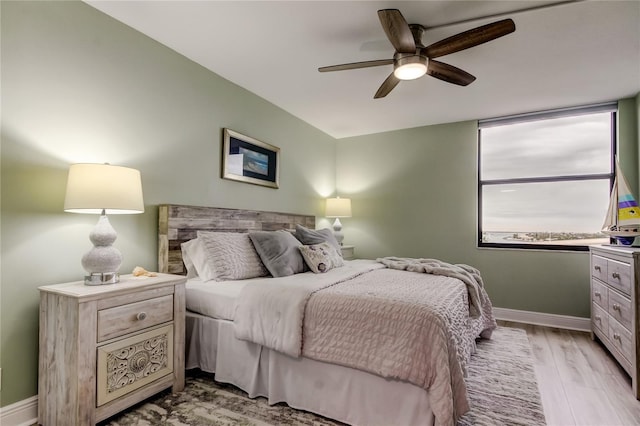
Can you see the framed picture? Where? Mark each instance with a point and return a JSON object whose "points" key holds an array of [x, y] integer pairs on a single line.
{"points": [[249, 160]]}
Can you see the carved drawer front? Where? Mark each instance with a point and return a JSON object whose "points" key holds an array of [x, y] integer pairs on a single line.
{"points": [[120, 320], [619, 276], [131, 363], [620, 309], [600, 294], [600, 318], [621, 339], [599, 267]]}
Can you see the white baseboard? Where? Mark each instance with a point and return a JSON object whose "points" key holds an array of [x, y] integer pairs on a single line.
{"points": [[539, 318], [21, 413]]}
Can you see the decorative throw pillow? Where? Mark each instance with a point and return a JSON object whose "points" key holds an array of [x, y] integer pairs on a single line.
{"points": [[316, 236], [231, 255], [279, 252], [321, 257]]}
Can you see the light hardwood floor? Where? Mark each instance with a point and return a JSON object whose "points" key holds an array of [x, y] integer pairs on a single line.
{"points": [[580, 382]]}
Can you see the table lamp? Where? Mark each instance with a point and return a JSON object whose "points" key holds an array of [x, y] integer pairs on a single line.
{"points": [[102, 189], [338, 207]]}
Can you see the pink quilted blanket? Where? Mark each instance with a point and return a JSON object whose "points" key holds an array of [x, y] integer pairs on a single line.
{"points": [[407, 326]]}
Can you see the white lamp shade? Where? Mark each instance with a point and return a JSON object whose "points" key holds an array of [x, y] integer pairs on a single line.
{"points": [[338, 207], [92, 188]]}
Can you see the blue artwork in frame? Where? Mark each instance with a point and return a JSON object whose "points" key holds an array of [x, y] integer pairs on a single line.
{"points": [[249, 160]]}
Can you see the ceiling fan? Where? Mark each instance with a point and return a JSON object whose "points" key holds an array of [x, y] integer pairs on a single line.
{"points": [[413, 60]]}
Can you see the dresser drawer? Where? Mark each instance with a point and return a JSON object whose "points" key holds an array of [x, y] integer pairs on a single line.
{"points": [[599, 267], [600, 318], [599, 293], [620, 309], [131, 363], [621, 339], [619, 276], [120, 320]]}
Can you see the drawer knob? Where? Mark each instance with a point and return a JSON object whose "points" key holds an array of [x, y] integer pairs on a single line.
{"points": [[616, 336], [597, 294], [615, 275], [141, 316], [597, 268], [616, 307], [598, 318]]}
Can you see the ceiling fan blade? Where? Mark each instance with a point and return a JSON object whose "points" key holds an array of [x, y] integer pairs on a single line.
{"points": [[387, 86], [449, 73], [470, 38], [397, 30], [356, 65]]}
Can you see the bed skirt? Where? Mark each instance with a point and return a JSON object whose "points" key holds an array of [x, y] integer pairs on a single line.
{"points": [[341, 393]]}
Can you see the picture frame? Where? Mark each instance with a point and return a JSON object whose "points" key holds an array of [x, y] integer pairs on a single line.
{"points": [[249, 160]]}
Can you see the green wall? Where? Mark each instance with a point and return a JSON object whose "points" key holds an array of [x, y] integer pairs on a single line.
{"points": [[627, 148], [414, 194], [78, 86]]}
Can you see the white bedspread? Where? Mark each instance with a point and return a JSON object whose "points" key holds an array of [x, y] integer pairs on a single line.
{"points": [[271, 312]]}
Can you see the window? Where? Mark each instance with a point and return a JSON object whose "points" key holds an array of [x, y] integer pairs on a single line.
{"points": [[545, 178]]}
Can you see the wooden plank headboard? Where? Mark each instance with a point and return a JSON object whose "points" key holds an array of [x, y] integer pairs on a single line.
{"points": [[177, 224]]}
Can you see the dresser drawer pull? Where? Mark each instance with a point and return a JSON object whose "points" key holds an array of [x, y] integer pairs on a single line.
{"points": [[141, 316], [615, 275], [597, 294], [597, 268], [598, 318], [616, 307], [616, 336]]}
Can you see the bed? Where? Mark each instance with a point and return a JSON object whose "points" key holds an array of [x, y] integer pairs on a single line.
{"points": [[299, 337]]}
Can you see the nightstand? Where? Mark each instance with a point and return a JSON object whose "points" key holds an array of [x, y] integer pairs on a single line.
{"points": [[348, 252], [105, 348]]}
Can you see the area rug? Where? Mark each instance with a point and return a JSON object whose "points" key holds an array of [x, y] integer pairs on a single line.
{"points": [[501, 384]]}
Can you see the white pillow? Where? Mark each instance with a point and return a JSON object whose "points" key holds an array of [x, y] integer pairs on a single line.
{"points": [[194, 257], [229, 256], [187, 248]]}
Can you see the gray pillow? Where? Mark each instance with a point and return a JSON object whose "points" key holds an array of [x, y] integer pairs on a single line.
{"points": [[279, 252], [316, 236]]}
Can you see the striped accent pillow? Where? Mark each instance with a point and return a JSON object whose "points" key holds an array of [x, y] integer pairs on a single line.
{"points": [[231, 256]]}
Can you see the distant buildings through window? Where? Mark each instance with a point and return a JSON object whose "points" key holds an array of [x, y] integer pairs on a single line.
{"points": [[544, 179]]}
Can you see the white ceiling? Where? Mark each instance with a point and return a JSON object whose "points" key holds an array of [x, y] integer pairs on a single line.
{"points": [[566, 55]]}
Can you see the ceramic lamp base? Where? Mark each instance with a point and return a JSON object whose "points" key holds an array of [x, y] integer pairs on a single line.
{"points": [[103, 261], [337, 231]]}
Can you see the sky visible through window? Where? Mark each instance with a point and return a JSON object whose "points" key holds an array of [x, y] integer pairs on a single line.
{"points": [[565, 146]]}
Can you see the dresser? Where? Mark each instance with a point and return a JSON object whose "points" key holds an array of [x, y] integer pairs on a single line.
{"points": [[105, 348], [615, 305]]}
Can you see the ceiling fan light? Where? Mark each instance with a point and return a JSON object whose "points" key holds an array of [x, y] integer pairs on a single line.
{"points": [[410, 67], [410, 71]]}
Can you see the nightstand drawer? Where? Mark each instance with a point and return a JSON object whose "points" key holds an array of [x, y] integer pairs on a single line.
{"points": [[120, 320], [620, 309], [619, 276], [129, 364], [599, 293]]}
